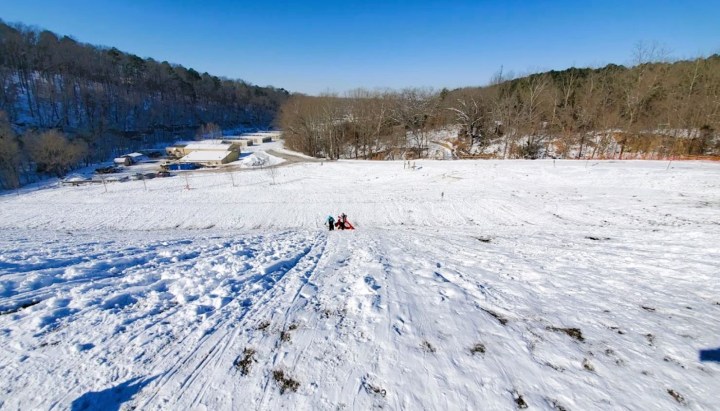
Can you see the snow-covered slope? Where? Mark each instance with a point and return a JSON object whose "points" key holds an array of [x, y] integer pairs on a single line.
{"points": [[487, 194], [467, 285]]}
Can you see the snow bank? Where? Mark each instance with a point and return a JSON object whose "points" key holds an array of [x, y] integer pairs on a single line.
{"points": [[260, 159]]}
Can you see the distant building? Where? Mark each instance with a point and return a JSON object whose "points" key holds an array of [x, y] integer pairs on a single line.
{"points": [[257, 140], [137, 157], [242, 142], [207, 152], [176, 150], [211, 158], [265, 136], [211, 145], [123, 161]]}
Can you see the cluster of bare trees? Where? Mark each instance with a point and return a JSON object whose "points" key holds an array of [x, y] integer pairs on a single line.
{"points": [[362, 124], [117, 101], [208, 131], [49, 152], [653, 109], [9, 155]]}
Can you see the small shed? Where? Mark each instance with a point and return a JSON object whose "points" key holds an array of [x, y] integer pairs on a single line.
{"points": [[137, 157], [123, 161]]}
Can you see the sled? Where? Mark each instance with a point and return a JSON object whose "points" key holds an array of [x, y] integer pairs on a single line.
{"points": [[347, 226]]}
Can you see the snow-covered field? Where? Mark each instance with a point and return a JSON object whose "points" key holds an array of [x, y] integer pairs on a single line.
{"points": [[467, 285]]}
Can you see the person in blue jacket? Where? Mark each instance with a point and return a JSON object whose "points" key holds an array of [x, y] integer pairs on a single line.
{"points": [[331, 222]]}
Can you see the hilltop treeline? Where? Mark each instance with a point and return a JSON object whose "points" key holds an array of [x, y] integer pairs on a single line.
{"points": [[649, 110], [107, 101]]}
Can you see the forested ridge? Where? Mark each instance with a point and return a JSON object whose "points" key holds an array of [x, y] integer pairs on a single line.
{"points": [[100, 101], [655, 108], [64, 104]]}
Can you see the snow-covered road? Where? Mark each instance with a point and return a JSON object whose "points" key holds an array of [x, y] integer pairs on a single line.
{"points": [[556, 288]]}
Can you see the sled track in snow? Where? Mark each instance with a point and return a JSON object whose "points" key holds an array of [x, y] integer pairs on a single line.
{"points": [[373, 318], [163, 317], [227, 328]]}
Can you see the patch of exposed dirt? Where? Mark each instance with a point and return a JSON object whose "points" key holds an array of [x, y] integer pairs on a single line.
{"points": [[502, 320], [477, 348], [575, 333], [285, 382], [427, 347], [676, 395], [244, 363], [519, 400]]}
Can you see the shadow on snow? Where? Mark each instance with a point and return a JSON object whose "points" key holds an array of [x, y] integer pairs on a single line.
{"points": [[710, 355], [111, 398]]}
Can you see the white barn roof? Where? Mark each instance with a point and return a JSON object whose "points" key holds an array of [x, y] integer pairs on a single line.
{"points": [[200, 156], [208, 146]]}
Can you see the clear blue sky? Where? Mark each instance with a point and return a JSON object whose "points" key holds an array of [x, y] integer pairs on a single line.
{"points": [[315, 46]]}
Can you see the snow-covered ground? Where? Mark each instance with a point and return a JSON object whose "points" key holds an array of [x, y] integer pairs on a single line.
{"points": [[259, 159], [467, 285]]}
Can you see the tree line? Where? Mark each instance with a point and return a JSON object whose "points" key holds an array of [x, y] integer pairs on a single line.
{"points": [[104, 101], [653, 109]]}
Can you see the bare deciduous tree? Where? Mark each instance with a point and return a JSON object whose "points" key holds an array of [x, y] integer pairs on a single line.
{"points": [[9, 155], [53, 153], [208, 131]]}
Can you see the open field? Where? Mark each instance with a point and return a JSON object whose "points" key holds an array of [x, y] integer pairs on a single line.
{"points": [[467, 285]]}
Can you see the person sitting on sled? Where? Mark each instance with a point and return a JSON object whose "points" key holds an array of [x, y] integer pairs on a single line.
{"points": [[331, 223]]}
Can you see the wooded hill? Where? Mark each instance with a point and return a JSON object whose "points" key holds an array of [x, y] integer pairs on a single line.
{"points": [[107, 101], [650, 110]]}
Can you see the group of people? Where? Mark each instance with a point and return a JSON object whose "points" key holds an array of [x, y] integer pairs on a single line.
{"points": [[341, 223]]}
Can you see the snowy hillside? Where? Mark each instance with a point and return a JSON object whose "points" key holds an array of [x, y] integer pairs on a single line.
{"points": [[467, 285]]}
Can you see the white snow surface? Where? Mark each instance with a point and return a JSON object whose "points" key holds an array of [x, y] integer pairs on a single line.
{"points": [[466, 285], [260, 159]]}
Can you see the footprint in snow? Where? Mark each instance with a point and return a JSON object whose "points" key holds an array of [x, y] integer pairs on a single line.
{"points": [[370, 281]]}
